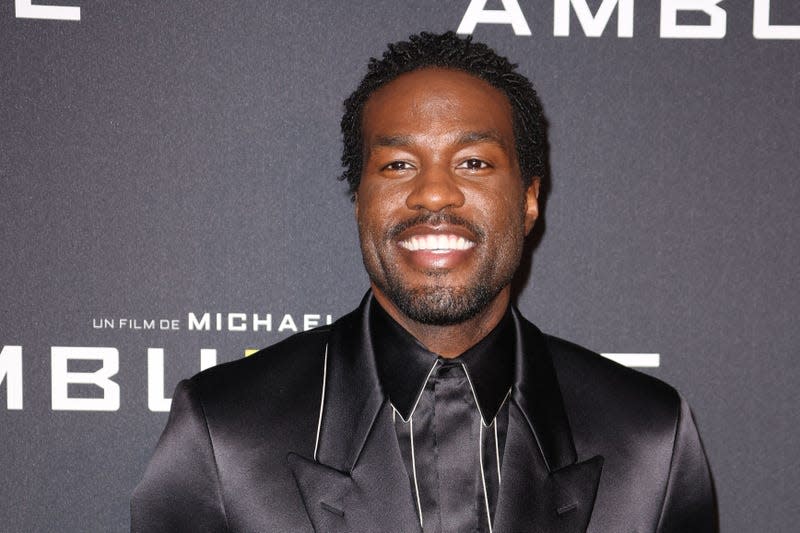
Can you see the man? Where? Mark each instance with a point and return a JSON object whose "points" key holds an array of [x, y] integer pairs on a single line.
{"points": [[434, 406]]}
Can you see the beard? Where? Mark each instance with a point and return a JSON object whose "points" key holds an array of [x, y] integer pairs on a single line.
{"points": [[436, 303]]}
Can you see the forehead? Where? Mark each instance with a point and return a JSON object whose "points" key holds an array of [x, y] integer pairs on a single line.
{"points": [[437, 100]]}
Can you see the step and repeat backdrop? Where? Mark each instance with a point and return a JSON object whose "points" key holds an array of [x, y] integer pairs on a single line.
{"points": [[169, 200]]}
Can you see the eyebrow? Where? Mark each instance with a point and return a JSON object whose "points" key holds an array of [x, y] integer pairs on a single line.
{"points": [[392, 140], [491, 136], [469, 137]]}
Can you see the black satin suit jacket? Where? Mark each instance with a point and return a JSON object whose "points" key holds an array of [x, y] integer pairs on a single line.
{"points": [[299, 437]]}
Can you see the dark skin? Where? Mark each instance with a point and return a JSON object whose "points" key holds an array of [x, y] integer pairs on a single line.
{"points": [[441, 142]]}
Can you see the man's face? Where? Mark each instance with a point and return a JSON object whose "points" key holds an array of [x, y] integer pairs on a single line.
{"points": [[441, 208]]}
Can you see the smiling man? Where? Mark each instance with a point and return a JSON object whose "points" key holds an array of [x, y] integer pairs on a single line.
{"points": [[435, 406]]}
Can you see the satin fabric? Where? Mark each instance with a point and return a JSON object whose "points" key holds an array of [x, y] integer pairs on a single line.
{"points": [[591, 445]]}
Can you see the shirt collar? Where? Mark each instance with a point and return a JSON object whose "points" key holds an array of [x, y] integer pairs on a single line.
{"points": [[404, 364]]}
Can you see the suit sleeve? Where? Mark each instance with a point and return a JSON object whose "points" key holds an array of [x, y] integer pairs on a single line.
{"points": [[180, 490], [689, 503]]}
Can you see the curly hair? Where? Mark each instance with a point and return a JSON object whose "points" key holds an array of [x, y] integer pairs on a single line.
{"points": [[449, 51]]}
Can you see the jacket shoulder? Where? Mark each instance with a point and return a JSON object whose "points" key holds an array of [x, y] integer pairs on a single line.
{"points": [[223, 452], [274, 391], [653, 457], [591, 373], [292, 357], [608, 401]]}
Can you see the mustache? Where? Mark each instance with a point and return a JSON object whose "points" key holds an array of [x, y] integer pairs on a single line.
{"points": [[436, 219]]}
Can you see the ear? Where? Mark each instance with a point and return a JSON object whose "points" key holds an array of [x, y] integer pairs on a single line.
{"points": [[532, 204]]}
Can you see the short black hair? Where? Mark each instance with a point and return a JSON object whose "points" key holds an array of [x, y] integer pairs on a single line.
{"points": [[449, 51]]}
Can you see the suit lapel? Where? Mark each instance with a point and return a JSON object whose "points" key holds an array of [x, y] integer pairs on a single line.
{"points": [[358, 481], [533, 498], [544, 488], [375, 496]]}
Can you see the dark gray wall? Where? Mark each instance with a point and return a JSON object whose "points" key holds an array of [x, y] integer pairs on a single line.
{"points": [[165, 158]]}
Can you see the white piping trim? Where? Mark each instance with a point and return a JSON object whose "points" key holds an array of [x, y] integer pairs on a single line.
{"points": [[322, 400], [496, 440], [414, 468], [483, 478], [475, 397], [497, 450], [419, 395]]}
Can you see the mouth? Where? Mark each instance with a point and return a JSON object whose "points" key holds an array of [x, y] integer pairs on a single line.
{"points": [[436, 243], [437, 248]]}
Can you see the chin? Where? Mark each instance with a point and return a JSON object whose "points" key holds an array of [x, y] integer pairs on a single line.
{"points": [[441, 306]]}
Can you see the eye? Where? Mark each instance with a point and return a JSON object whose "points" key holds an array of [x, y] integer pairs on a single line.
{"points": [[398, 166], [474, 164]]}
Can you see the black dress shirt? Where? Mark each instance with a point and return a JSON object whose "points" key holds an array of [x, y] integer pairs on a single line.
{"points": [[451, 417]]}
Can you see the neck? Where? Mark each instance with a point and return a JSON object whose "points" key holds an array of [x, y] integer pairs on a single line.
{"points": [[452, 340]]}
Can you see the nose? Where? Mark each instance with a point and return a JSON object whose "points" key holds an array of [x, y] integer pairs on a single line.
{"points": [[435, 189]]}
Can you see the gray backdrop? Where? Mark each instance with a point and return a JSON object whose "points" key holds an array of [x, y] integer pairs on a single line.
{"points": [[162, 159]]}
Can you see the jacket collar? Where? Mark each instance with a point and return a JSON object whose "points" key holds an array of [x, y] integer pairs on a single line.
{"points": [[358, 469]]}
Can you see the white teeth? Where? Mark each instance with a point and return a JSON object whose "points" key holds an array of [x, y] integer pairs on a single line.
{"points": [[437, 243]]}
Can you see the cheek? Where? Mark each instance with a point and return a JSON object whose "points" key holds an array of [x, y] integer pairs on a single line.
{"points": [[371, 225], [501, 210], [507, 230], [365, 204], [378, 205]]}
